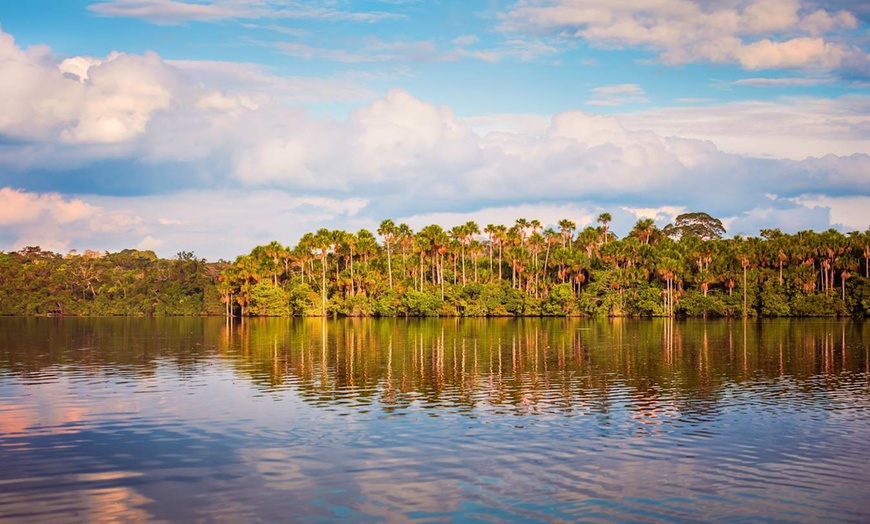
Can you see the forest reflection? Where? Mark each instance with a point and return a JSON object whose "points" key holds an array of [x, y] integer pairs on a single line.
{"points": [[531, 365], [523, 366]]}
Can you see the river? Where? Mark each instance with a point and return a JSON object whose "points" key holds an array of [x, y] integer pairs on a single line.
{"points": [[499, 420]]}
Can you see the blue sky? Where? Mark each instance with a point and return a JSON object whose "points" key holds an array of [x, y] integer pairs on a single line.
{"points": [[216, 125]]}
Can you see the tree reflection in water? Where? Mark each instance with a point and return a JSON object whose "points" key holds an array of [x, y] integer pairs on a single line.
{"points": [[544, 419], [656, 367]]}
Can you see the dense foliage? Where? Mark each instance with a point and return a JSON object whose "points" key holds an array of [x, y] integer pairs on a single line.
{"points": [[37, 282], [684, 269]]}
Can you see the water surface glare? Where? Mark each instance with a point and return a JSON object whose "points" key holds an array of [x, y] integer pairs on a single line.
{"points": [[435, 420]]}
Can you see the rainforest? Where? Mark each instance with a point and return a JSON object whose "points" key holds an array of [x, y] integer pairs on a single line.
{"points": [[684, 269]]}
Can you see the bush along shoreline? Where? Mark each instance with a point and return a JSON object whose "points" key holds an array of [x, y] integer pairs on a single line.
{"points": [[686, 269]]}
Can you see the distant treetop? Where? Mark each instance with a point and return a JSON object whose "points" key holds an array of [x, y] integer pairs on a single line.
{"points": [[700, 225]]}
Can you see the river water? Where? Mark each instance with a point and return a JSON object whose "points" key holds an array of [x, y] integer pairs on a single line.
{"points": [[497, 420]]}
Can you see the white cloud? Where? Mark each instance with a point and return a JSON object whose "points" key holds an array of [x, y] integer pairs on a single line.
{"points": [[789, 127], [82, 100], [78, 67], [851, 212], [166, 11], [820, 21], [523, 124], [123, 93], [21, 207], [524, 50], [794, 53], [150, 243], [399, 135], [53, 221], [466, 40], [180, 11], [371, 50], [781, 82], [659, 214], [212, 223], [682, 31], [255, 83], [181, 129], [617, 95]]}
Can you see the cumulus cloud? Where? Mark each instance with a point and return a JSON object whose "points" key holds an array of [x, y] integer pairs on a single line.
{"points": [[122, 94], [49, 220], [235, 163], [21, 207], [79, 101], [214, 224], [849, 212], [756, 34], [788, 127], [794, 53], [659, 214], [150, 243], [401, 135]]}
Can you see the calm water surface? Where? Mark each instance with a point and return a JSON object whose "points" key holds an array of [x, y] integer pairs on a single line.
{"points": [[434, 420]]}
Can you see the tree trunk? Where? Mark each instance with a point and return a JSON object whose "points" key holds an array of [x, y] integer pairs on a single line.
{"points": [[323, 285], [442, 275], [389, 265], [462, 250]]}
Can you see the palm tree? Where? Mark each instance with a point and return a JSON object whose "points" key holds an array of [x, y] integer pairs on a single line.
{"points": [[567, 228], [588, 239], [406, 240], [388, 229], [501, 236], [366, 245], [667, 270], [847, 266], [536, 241], [433, 241], [514, 239], [304, 250], [521, 225], [346, 243], [469, 230], [490, 230], [271, 255], [745, 258], [866, 241], [604, 219], [861, 244], [248, 274], [458, 234], [551, 237], [324, 242], [644, 230]]}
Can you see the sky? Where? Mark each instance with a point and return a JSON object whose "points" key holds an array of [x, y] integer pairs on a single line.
{"points": [[214, 126]]}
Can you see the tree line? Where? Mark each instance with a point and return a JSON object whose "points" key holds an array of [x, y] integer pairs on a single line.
{"points": [[686, 268]]}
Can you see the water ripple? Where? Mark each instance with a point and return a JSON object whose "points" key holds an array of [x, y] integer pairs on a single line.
{"points": [[427, 421]]}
